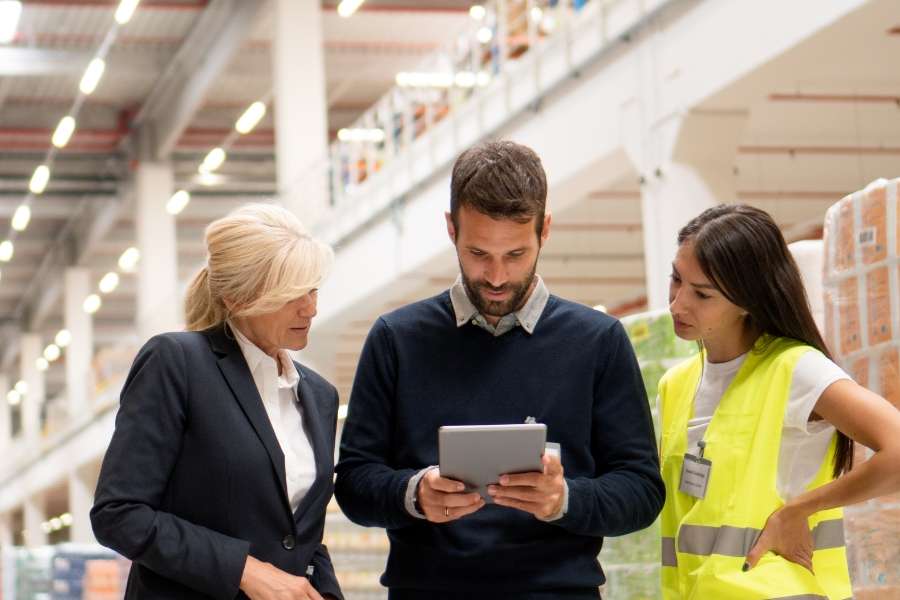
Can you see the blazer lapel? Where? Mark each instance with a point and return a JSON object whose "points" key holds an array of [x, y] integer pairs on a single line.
{"points": [[236, 372], [312, 420]]}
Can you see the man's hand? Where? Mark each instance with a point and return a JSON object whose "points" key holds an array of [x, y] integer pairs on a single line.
{"points": [[540, 494], [443, 500], [264, 581]]}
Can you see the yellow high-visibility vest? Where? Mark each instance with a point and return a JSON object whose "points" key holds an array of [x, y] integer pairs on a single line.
{"points": [[705, 542]]}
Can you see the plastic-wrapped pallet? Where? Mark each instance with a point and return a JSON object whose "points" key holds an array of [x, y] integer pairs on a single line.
{"points": [[862, 286], [631, 562], [862, 330]]}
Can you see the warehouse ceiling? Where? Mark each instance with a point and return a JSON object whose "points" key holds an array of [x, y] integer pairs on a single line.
{"points": [[823, 120]]}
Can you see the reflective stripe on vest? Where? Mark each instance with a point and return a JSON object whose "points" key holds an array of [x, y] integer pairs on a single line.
{"points": [[736, 541]]}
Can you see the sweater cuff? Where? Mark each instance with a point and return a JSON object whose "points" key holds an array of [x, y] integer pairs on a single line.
{"points": [[409, 500], [564, 507]]}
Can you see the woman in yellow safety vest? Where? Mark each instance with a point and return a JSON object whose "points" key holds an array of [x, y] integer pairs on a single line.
{"points": [[756, 430]]}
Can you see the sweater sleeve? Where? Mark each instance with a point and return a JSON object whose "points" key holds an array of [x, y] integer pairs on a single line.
{"points": [[627, 492], [368, 489]]}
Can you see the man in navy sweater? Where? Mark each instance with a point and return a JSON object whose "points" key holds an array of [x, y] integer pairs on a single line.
{"points": [[498, 348]]}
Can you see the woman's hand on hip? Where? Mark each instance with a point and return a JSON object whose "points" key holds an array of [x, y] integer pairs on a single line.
{"points": [[264, 581], [787, 534]]}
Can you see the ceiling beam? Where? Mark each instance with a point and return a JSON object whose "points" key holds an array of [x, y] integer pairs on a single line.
{"points": [[16, 61], [203, 56]]}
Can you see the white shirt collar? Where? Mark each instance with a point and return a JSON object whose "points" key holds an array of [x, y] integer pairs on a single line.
{"points": [[256, 358]]}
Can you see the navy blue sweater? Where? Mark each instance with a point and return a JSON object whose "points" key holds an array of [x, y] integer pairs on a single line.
{"points": [[576, 373]]}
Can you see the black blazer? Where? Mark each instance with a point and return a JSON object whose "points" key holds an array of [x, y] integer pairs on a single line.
{"points": [[193, 480]]}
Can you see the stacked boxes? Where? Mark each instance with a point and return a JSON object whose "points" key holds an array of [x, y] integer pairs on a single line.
{"points": [[862, 287], [69, 567], [358, 554], [631, 562], [862, 329]]}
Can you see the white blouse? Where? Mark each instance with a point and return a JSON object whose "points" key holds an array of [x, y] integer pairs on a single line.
{"points": [[279, 397]]}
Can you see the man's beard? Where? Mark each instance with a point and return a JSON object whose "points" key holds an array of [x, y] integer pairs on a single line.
{"points": [[496, 308]]}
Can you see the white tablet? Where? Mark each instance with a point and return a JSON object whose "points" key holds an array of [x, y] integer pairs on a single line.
{"points": [[478, 455]]}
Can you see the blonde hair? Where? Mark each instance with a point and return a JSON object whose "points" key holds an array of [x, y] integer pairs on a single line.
{"points": [[259, 257]]}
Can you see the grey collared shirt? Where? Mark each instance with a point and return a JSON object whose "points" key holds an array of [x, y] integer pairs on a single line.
{"points": [[526, 317]]}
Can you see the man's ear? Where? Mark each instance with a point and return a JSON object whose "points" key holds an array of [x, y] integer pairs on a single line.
{"points": [[451, 228], [545, 232]]}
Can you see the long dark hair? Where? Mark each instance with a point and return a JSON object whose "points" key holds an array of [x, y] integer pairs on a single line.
{"points": [[742, 252]]}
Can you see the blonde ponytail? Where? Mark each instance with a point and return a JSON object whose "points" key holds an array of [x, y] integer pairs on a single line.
{"points": [[201, 310]]}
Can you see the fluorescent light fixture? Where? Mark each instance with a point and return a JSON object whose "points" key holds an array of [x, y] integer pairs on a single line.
{"points": [[92, 304], [548, 23], [125, 10], [13, 397], [424, 80], [52, 352], [213, 160], [109, 282], [92, 76], [483, 78], [477, 12], [21, 387], [347, 7], [177, 202], [210, 179], [537, 14], [6, 251], [251, 118], [39, 180], [63, 132], [42, 363], [66, 519], [464, 79], [63, 338], [129, 260], [10, 11], [484, 35], [360, 135], [21, 217], [56, 523]]}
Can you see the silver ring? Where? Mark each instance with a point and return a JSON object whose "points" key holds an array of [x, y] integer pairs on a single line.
{"points": [[446, 511]]}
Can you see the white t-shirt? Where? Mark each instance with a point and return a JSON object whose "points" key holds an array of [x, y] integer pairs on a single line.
{"points": [[804, 443]]}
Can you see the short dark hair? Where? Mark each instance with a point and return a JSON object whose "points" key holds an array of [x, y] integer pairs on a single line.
{"points": [[500, 179]]}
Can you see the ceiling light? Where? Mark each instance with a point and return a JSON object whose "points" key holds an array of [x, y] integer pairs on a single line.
{"points": [[21, 217], [52, 352], [125, 10], [360, 135], [250, 118], [39, 179], [464, 79], [477, 12], [178, 201], [483, 78], [92, 304], [46, 526], [63, 132], [537, 14], [548, 24], [600, 307], [129, 260], [92, 76], [10, 11], [21, 387], [210, 179], [42, 363], [109, 282], [6, 251], [13, 397], [347, 7], [213, 160], [66, 519], [424, 80], [56, 523], [342, 411], [484, 35], [63, 338]]}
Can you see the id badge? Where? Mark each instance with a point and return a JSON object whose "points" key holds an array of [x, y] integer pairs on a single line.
{"points": [[695, 476]]}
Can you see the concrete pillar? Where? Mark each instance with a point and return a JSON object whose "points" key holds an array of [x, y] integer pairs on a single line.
{"points": [[81, 498], [301, 111], [32, 401], [5, 416], [79, 378], [35, 514], [6, 534], [159, 306]]}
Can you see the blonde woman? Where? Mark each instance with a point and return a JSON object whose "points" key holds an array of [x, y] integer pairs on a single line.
{"points": [[221, 465]]}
